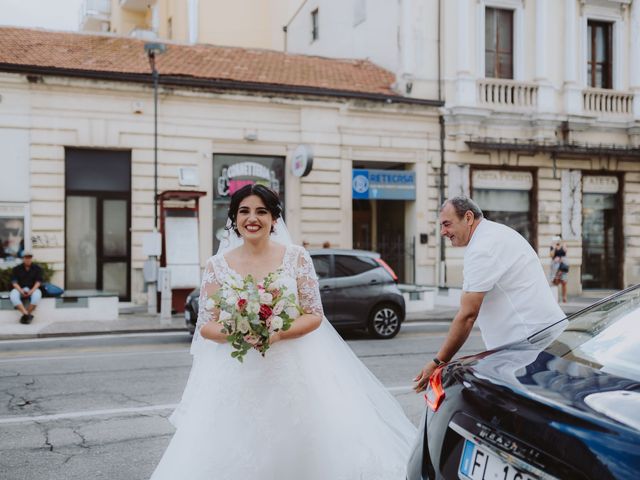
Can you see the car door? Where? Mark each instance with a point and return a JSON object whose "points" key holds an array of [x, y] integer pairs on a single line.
{"points": [[357, 285], [323, 264]]}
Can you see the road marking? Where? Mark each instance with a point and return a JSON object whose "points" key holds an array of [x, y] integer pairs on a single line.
{"points": [[88, 413], [121, 411], [91, 355], [59, 338]]}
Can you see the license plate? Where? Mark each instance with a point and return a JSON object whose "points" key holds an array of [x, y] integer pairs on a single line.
{"points": [[187, 315], [476, 464]]}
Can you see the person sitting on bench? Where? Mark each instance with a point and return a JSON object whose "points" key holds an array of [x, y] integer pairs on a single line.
{"points": [[26, 280]]}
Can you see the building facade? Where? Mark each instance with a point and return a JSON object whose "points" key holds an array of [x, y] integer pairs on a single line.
{"points": [[79, 136], [541, 117], [241, 23]]}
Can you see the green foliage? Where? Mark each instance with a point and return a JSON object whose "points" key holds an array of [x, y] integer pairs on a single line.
{"points": [[5, 276]]}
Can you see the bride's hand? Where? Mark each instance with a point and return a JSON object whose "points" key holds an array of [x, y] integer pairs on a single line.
{"points": [[275, 337]]}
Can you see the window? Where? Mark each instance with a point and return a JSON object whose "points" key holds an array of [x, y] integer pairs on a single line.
{"points": [[498, 45], [599, 68], [347, 265], [322, 265], [314, 25]]}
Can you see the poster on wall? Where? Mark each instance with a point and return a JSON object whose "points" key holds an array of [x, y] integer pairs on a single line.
{"points": [[231, 173], [182, 251], [13, 227]]}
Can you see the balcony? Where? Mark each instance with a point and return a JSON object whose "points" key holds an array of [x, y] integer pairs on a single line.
{"points": [[95, 15], [137, 5], [601, 102], [507, 94]]}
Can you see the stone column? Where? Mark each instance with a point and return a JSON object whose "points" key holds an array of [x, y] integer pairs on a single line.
{"points": [[465, 82], [572, 88], [545, 89], [634, 56]]}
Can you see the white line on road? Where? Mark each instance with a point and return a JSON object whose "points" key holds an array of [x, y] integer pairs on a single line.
{"points": [[87, 413], [86, 355], [120, 411]]}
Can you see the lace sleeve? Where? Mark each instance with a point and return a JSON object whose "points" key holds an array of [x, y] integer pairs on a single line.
{"points": [[308, 291], [209, 286]]}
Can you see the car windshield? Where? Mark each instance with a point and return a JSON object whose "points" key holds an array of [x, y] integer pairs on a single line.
{"points": [[606, 336]]}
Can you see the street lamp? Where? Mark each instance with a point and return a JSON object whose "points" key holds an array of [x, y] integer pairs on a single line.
{"points": [[154, 244], [152, 49]]}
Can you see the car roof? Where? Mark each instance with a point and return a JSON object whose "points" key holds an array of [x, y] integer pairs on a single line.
{"points": [[343, 251]]}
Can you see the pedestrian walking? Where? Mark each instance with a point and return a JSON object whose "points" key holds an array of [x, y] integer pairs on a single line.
{"points": [[504, 288]]}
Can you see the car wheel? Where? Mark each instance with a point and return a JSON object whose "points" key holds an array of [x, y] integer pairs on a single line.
{"points": [[384, 321]]}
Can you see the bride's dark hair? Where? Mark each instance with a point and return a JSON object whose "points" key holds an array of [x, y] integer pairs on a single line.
{"points": [[268, 196]]}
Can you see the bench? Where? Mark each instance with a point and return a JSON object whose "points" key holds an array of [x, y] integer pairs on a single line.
{"points": [[73, 305]]}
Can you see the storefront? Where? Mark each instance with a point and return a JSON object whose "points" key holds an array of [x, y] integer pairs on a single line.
{"points": [[602, 244], [506, 196], [232, 172], [379, 206]]}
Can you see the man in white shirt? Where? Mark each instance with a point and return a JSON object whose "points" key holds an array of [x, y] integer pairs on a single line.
{"points": [[504, 288]]}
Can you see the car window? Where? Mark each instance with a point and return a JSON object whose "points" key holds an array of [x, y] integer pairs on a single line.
{"points": [[322, 264], [349, 265], [606, 337]]}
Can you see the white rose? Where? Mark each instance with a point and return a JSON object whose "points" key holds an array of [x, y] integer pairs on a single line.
{"points": [[266, 298], [276, 323], [210, 305], [224, 316], [243, 325], [253, 307], [232, 298], [292, 312]]}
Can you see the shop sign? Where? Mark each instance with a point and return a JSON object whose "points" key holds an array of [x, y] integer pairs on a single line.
{"points": [[502, 180], [236, 176], [599, 184], [383, 184], [302, 161]]}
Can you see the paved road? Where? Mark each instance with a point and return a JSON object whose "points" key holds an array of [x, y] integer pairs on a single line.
{"points": [[97, 407]]}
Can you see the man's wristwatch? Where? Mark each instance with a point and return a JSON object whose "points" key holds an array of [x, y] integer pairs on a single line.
{"points": [[437, 361]]}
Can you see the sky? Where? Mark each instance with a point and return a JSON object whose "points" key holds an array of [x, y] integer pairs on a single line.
{"points": [[50, 14]]}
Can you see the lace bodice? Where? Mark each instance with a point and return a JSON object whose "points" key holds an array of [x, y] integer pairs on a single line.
{"points": [[296, 270]]}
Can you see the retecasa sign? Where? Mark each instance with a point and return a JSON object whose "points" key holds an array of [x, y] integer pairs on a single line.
{"points": [[302, 161]]}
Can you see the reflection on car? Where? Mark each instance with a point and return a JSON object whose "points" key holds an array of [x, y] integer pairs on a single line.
{"points": [[358, 290], [563, 404]]}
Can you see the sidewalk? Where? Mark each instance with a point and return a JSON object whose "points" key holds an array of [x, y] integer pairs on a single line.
{"points": [[137, 322]]}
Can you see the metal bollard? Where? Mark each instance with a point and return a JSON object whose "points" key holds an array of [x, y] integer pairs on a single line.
{"points": [[165, 295]]}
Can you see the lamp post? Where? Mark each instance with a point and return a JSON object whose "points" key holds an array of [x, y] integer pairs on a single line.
{"points": [[152, 49]]}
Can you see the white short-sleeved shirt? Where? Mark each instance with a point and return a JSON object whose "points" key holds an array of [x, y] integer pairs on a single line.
{"points": [[518, 300]]}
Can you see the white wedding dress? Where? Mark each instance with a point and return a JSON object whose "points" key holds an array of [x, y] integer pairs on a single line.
{"points": [[308, 410]]}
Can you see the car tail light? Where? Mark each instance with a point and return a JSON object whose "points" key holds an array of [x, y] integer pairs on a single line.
{"points": [[389, 270], [435, 391]]}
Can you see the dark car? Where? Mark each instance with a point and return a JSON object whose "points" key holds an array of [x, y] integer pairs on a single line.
{"points": [[357, 288], [563, 404]]}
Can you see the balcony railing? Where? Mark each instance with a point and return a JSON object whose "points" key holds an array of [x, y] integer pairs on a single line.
{"points": [[507, 94], [607, 102], [95, 15]]}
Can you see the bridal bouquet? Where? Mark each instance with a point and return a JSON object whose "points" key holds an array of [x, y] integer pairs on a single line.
{"points": [[250, 312]]}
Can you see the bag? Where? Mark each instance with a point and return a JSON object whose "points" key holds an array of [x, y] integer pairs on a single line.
{"points": [[51, 290], [563, 267]]}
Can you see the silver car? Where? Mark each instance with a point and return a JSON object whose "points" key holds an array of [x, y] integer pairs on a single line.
{"points": [[358, 290]]}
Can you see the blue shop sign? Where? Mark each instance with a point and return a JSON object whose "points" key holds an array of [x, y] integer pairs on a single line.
{"points": [[383, 184]]}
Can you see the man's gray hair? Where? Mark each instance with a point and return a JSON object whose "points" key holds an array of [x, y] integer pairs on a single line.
{"points": [[461, 204]]}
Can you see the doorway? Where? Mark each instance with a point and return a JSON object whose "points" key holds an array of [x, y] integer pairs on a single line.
{"points": [[601, 242], [379, 225], [98, 221]]}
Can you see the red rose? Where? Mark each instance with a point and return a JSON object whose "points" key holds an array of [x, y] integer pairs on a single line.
{"points": [[242, 304], [265, 312]]}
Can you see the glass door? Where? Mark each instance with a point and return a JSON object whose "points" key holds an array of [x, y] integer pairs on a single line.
{"points": [[600, 230], [97, 243]]}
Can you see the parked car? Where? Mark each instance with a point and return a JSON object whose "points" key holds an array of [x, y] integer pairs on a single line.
{"points": [[563, 404], [358, 290]]}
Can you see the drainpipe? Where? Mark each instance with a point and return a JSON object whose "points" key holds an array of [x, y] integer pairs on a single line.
{"points": [[285, 28], [441, 264]]}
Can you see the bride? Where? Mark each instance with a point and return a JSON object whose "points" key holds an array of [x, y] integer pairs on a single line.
{"points": [[309, 409]]}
